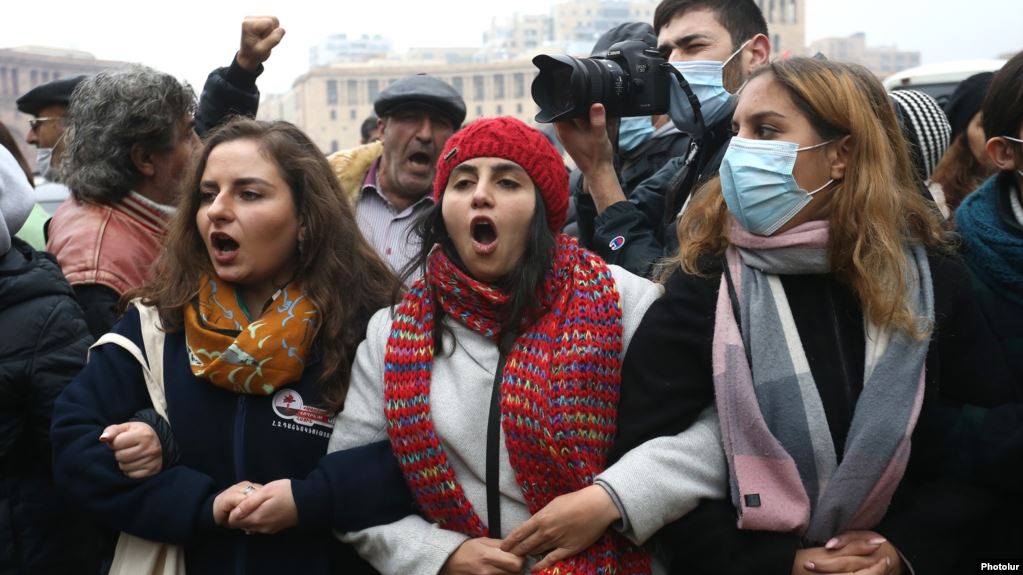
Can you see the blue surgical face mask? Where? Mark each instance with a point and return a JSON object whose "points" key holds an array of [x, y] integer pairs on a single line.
{"points": [[44, 161], [758, 186], [634, 131], [706, 79]]}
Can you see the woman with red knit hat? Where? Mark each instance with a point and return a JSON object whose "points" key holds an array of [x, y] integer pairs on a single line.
{"points": [[496, 380]]}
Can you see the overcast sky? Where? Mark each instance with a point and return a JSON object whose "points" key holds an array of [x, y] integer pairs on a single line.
{"points": [[188, 38]]}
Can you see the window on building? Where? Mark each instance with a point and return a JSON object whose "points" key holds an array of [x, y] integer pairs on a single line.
{"points": [[331, 92], [14, 81], [776, 44], [500, 110], [479, 111], [334, 146], [456, 82], [518, 108], [477, 88], [46, 76], [373, 88], [791, 12], [333, 114], [33, 77], [351, 114], [352, 89], [3, 80], [499, 87], [519, 89]]}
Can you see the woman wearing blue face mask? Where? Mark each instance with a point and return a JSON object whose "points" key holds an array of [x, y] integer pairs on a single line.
{"points": [[814, 300]]}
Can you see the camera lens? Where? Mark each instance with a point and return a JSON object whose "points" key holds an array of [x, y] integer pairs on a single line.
{"points": [[561, 92], [627, 80], [566, 87]]}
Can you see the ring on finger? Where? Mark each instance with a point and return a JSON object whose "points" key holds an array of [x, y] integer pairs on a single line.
{"points": [[248, 489]]}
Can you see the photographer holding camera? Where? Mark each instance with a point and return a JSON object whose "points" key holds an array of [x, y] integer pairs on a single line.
{"points": [[715, 44]]}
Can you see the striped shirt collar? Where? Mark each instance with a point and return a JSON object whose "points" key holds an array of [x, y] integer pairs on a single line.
{"points": [[371, 184], [147, 211]]}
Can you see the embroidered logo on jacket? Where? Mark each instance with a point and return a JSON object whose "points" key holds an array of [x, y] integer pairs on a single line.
{"points": [[288, 404], [617, 243]]}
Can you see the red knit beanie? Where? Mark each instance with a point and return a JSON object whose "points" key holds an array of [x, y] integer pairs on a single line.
{"points": [[510, 139]]}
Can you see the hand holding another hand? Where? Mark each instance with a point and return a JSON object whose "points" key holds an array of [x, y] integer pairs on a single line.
{"points": [[229, 498], [267, 510], [854, 553], [567, 525], [482, 556]]}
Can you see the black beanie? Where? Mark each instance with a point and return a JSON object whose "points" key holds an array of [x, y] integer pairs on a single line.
{"points": [[966, 101]]}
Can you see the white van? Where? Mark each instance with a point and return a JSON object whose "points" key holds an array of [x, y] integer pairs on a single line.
{"points": [[939, 80]]}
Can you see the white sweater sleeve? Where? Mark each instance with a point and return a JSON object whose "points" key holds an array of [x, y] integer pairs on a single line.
{"points": [[666, 477], [411, 545], [362, 420]]}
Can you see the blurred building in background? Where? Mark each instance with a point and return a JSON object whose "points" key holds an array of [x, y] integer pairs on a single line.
{"points": [[881, 60], [331, 100], [24, 68]]}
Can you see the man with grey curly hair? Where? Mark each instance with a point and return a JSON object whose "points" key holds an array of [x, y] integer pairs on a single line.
{"points": [[130, 140]]}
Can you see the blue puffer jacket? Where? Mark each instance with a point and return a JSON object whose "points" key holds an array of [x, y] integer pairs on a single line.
{"points": [[223, 438]]}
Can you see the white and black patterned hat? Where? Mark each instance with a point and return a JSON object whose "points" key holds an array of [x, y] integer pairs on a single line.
{"points": [[925, 127]]}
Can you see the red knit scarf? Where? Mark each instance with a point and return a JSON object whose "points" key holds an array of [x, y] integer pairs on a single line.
{"points": [[559, 394]]}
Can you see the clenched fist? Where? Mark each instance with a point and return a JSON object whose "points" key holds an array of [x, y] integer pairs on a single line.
{"points": [[260, 35]]}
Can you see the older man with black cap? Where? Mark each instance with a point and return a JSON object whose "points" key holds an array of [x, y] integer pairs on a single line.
{"points": [[48, 103], [389, 181]]}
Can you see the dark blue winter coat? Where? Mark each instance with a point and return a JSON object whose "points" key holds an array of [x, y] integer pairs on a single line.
{"points": [[223, 438]]}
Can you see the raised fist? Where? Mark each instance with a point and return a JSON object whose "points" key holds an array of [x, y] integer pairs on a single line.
{"points": [[260, 35]]}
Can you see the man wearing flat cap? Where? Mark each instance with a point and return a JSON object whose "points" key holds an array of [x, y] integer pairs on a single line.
{"points": [[389, 182], [48, 103]]}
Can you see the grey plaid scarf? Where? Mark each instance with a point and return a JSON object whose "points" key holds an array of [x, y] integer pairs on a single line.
{"points": [[783, 465]]}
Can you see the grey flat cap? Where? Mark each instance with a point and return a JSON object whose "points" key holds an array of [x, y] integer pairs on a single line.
{"points": [[424, 90], [56, 92]]}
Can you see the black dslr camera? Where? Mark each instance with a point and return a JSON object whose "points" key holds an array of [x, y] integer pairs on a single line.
{"points": [[631, 79]]}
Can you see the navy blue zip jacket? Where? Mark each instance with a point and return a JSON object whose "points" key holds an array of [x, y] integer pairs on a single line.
{"points": [[223, 438]]}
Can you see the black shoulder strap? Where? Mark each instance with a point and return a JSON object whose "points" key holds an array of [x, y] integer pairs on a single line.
{"points": [[494, 441]]}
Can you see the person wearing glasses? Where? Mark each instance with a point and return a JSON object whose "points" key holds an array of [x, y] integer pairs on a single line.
{"points": [[47, 104]]}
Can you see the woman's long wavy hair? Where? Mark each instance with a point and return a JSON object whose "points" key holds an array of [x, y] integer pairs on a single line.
{"points": [[872, 213], [340, 272], [959, 172]]}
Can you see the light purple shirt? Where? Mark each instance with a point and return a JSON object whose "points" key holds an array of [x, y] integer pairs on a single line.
{"points": [[386, 228]]}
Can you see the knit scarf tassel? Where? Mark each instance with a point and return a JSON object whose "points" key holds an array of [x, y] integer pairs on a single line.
{"points": [[559, 393]]}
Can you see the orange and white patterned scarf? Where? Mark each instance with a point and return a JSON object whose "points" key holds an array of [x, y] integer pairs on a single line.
{"points": [[256, 357]]}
